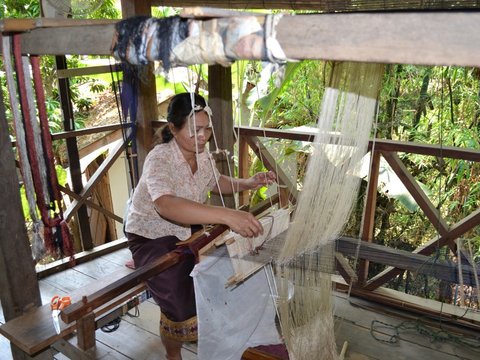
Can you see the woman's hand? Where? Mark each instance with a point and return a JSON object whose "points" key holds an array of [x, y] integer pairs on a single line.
{"points": [[243, 223], [261, 179]]}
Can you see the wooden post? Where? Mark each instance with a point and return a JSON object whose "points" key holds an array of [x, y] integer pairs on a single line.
{"points": [[72, 152], [220, 100], [86, 331], [18, 279], [243, 165], [49, 12], [369, 213], [147, 93]]}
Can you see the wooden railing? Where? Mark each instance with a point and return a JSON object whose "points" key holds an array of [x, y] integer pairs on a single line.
{"points": [[249, 138], [388, 149]]}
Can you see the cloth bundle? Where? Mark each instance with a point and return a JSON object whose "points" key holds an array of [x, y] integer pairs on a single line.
{"points": [[176, 41]]}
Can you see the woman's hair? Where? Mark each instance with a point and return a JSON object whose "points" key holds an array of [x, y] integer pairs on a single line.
{"points": [[178, 110]]}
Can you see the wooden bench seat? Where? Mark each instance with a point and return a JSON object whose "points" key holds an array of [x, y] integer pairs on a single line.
{"points": [[34, 332]]}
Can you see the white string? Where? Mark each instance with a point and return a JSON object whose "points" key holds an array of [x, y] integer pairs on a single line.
{"points": [[212, 164], [330, 188], [460, 274], [475, 273], [359, 241]]}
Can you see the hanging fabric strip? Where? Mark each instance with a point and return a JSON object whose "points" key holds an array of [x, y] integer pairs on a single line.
{"points": [[37, 139], [38, 248], [56, 233], [56, 201], [45, 130], [32, 155]]}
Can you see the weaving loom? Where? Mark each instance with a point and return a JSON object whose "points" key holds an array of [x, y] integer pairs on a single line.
{"points": [[305, 260]]}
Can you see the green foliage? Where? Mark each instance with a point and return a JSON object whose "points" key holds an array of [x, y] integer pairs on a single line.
{"points": [[107, 10], [20, 9], [62, 180]]}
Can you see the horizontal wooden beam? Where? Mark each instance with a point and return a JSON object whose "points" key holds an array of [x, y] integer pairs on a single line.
{"points": [[87, 131], [323, 5], [20, 25], [69, 40], [423, 38], [91, 302], [454, 318], [80, 258], [379, 144], [89, 70], [405, 260], [407, 38]]}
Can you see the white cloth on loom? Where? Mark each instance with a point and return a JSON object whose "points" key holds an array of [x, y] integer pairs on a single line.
{"points": [[233, 319]]}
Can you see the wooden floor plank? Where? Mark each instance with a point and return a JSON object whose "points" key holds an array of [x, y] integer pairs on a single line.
{"points": [[360, 341], [68, 280], [47, 291], [100, 351], [142, 345], [353, 312], [119, 257], [148, 319], [98, 269]]}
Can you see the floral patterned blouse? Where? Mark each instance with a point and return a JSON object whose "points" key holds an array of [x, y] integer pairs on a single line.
{"points": [[166, 171]]}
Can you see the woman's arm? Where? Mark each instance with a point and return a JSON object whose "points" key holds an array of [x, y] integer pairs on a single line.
{"points": [[229, 185], [185, 211]]}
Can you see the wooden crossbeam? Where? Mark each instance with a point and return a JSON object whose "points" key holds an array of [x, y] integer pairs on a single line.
{"points": [[104, 167], [324, 6], [91, 302], [405, 260], [268, 160], [369, 212], [91, 204], [437, 242], [432, 213], [21, 25], [426, 38]]}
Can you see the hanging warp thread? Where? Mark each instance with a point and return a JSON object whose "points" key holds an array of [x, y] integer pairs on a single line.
{"points": [[306, 259]]}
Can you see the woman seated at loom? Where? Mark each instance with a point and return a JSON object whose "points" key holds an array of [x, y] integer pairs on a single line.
{"points": [[169, 199]]}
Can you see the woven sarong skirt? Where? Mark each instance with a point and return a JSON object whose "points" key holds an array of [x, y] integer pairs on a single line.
{"points": [[172, 289]]}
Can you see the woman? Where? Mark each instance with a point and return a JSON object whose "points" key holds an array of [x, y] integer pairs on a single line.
{"points": [[169, 199]]}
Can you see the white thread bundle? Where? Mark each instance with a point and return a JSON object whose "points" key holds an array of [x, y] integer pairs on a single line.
{"points": [[329, 191]]}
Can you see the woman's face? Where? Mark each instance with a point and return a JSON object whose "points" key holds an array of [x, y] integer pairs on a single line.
{"points": [[199, 128]]}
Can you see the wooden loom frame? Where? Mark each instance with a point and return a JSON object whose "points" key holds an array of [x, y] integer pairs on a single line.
{"points": [[443, 38]]}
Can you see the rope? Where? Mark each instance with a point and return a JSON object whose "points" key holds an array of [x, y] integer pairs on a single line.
{"points": [[435, 336]]}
